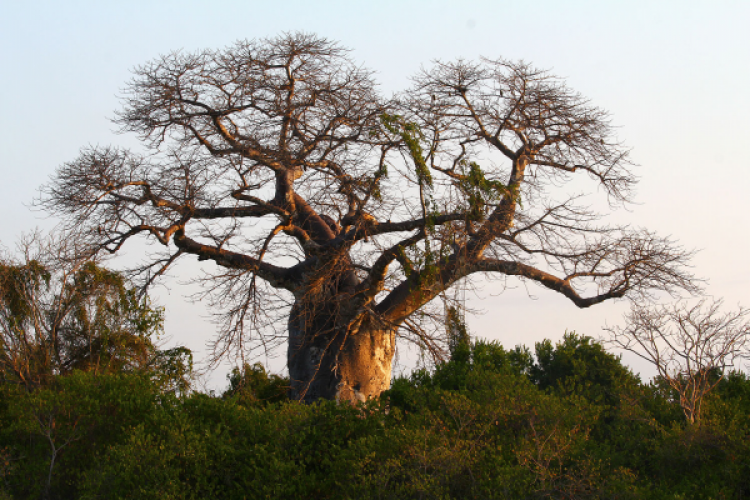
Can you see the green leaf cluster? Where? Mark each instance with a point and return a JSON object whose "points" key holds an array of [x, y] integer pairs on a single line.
{"points": [[252, 385], [480, 191], [412, 137]]}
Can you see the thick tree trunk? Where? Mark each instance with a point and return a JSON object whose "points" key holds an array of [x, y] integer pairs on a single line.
{"points": [[326, 362]]}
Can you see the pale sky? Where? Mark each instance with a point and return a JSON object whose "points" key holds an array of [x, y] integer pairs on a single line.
{"points": [[673, 74]]}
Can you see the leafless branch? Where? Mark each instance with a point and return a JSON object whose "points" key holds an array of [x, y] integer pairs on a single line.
{"points": [[691, 346]]}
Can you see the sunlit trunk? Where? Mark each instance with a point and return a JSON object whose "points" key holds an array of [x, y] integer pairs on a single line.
{"points": [[329, 363]]}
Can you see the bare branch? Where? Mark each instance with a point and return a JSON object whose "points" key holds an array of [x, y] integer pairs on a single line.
{"points": [[691, 346]]}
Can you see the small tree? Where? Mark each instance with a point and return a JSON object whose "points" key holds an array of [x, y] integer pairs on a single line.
{"points": [[690, 346], [61, 312]]}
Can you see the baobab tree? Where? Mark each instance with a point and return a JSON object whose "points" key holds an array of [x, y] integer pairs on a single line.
{"points": [[350, 214]]}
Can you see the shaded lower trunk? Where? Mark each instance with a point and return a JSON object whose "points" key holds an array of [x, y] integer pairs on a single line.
{"points": [[326, 362]]}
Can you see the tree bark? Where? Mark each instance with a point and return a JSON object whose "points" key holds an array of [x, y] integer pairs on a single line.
{"points": [[329, 362]]}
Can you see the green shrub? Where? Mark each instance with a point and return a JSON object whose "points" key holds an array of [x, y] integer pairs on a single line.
{"points": [[491, 423], [58, 432]]}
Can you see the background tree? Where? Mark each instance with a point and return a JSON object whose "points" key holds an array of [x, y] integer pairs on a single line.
{"points": [[322, 202], [578, 364], [60, 313], [691, 346]]}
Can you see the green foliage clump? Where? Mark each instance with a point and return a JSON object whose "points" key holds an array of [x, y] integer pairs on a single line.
{"points": [[412, 137], [578, 365], [480, 192], [253, 385]]}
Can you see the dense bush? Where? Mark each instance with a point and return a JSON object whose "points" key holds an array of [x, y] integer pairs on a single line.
{"points": [[53, 436], [567, 422]]}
